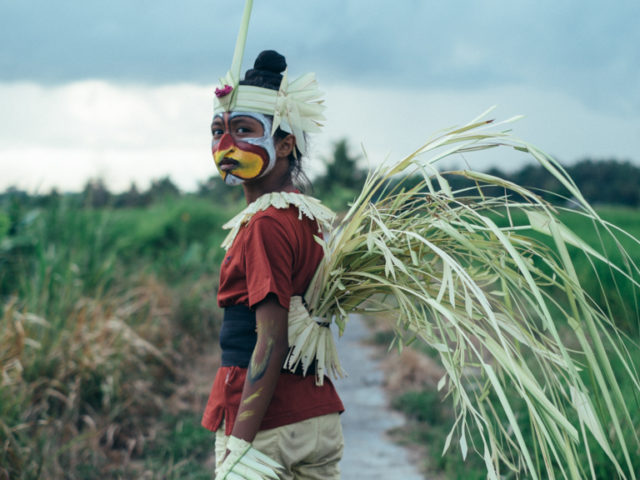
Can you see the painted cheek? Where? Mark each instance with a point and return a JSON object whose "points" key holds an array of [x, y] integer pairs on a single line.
{"points": [[251, 165], [252, 160], [255, 160], [218, 155]]}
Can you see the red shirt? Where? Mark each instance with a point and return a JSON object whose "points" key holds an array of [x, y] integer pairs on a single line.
{"points": [[274, 253]]}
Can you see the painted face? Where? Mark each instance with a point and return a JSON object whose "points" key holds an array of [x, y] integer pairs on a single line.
{"points": [[242, 146]]}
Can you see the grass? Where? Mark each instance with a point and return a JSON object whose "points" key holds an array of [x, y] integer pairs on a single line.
{"points": [[183, 448], [607, 288], [430, 423], [101, 313], [431, 417], [481, 294]]}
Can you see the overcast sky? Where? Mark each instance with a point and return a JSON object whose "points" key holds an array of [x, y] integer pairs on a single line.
{"points": [[122, 89]]}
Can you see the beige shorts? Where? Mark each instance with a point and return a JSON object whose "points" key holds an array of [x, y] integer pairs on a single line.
{"points": [[308, 450]]}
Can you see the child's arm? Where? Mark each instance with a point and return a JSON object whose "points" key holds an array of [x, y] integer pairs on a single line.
{"points": [[264, 369]]}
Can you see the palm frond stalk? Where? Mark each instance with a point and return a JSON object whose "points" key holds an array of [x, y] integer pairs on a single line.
{"points": [[491, 300]]}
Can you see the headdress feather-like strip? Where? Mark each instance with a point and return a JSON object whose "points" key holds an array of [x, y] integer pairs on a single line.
{"points": [[238, 53], [232, 78]]}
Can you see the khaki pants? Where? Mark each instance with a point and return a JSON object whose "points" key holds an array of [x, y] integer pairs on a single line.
{"points": [[308, 450]]}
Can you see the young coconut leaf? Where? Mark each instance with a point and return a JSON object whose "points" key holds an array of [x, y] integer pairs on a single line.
{"points": [[492, 300]]}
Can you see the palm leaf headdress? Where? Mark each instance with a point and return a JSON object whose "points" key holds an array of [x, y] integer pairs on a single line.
{"points": [[297, 106]]}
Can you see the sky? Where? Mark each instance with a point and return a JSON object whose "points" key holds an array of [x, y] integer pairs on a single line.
{"points": [[122, 90]]}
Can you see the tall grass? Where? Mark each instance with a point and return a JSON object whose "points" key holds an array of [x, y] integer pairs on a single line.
{"points": [[96, 309], [431, 418]]}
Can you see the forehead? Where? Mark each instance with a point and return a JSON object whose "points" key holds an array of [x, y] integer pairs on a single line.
{"points": [[229, 116]]}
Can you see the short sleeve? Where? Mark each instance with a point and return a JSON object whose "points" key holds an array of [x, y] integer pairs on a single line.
{"points": [[269, 260]]}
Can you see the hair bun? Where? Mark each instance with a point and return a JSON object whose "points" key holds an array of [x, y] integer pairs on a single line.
{"points": [[266, 71], [271, 61]]}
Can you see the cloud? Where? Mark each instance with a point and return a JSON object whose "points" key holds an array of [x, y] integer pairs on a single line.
{"points": [[586, 49], [38, 169], [389, 123], [63, 135], [98, 114]]}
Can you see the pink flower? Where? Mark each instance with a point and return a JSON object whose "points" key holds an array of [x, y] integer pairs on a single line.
{"points": [[224, 91]]}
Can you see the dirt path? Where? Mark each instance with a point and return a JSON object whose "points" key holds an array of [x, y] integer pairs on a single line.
{"points": [[369, 453]]}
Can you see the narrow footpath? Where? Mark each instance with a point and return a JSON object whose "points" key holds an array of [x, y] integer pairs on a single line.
{"points": [[369, 453]]}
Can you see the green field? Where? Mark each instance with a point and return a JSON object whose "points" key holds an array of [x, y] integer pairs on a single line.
{"points": [[102, 312]]}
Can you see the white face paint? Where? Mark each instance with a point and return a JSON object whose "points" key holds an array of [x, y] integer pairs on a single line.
{"points": [[246, 167]]}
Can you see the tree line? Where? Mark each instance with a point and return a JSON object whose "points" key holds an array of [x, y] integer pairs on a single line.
{"points": [[605, 181], [602, 182]]}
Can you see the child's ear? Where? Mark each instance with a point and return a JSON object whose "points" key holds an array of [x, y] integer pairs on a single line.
{"points": [[285, 146]]}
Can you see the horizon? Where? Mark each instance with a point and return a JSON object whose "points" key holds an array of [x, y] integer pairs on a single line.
{"points": [[142, 190]]}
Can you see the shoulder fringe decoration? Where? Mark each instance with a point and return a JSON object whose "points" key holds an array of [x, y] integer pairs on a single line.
{"points": [[297, 107], [308, 206]]}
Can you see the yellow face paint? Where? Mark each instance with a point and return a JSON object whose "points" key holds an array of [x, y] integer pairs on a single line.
{"points": [[239, 163]]}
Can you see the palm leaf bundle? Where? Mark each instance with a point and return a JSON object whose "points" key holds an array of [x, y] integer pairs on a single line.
{"points": [[506, 313]]}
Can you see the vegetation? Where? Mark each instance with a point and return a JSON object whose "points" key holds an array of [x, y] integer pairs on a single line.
{"points": [[105, 299], [101, 311], [342, 180], [491, 300], [431, 416]]}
